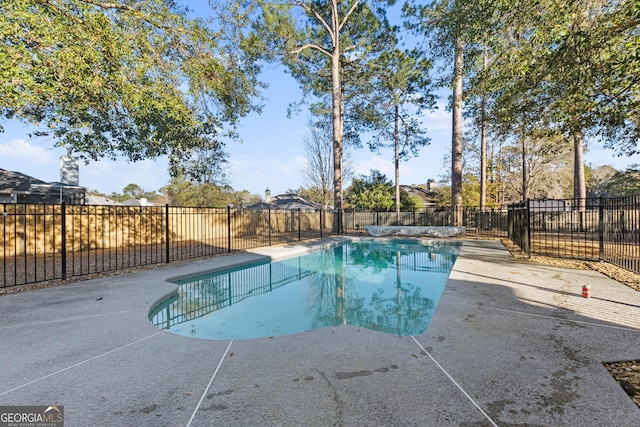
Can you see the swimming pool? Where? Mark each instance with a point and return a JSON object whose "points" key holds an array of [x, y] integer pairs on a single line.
{"points": [[390, 286]]}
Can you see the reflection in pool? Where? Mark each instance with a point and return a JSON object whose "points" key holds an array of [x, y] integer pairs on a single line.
{"points": [[390, 286]]}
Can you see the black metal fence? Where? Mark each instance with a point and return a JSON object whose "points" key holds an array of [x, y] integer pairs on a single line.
{"points": [[488, 223], [43, 242], [50, 242], [606, 229]]}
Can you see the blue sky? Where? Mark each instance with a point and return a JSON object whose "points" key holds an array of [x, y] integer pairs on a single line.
{"points": [[270, 155]]}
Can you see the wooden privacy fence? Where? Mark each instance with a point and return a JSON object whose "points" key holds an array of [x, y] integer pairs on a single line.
{"points": [[606, 229]]}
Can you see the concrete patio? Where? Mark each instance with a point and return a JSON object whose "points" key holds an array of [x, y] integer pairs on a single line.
{"points": [[511, 343]]}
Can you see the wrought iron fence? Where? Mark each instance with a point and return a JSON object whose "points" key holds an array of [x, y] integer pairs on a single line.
{"points": [[487, 223], [51, 242], [606, 229], [42, 242]]}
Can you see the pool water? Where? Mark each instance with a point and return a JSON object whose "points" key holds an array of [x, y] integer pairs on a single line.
{"points": [[391, 286]]}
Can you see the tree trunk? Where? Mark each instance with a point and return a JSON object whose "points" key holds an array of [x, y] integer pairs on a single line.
{"points": [[483, 142], [579, 184], [456, 137], [336, 98], [525, 172], [497, 176], [397, 162]]}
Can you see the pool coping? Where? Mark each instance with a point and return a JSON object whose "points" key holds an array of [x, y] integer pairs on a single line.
{"points": [[510, 343]]}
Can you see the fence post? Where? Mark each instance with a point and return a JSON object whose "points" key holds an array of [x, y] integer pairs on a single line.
{"points": [[167, 252], [229, 228], [299, 236], [63, 225], [601, 229], [269, 220], [321, 222], [526, 235]]}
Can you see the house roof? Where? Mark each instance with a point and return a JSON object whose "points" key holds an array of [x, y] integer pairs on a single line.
{"points": [[427, 197], [16, 182], [92, 199], [136, 202], [11, 181], [286, 202]]}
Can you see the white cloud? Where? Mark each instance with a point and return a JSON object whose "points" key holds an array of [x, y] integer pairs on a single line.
{"points": [[374, 162], [21, 151], [300, 162], [21, 156], [439, 119], [108, 176]]}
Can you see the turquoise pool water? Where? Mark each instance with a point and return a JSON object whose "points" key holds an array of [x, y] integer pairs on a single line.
{"points": [[391, 287]]}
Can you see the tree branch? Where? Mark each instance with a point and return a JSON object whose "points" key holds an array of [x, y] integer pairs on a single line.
{"points": [[104, 5], [319, 17], [346, 17], [140, 13], [310, 46]]}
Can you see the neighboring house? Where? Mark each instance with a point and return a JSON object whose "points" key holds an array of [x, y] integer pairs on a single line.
{"points": [[286, 202], [16, 187], [105, 201], [428, 197], [92, 199], [136, 202]]}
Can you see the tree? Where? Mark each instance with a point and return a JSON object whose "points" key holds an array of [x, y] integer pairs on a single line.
{"points": [[137, 79], [376, 192], [319, 41], [477, 109], [401, 94], [132, 191], [600, 180], [453, 26], [205, 164], [578, 58], [483, 137], [184, 192], [624, 183], [318, 173], [615, 41]]}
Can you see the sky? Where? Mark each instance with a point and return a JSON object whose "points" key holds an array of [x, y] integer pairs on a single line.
{"points": [[271, 153]]}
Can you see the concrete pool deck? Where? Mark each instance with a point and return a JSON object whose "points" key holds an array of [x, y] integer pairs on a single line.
{"points": [[510, 343]]}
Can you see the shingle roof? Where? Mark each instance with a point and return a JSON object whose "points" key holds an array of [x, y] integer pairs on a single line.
{"points": [[16, 181], [286, 202]]}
